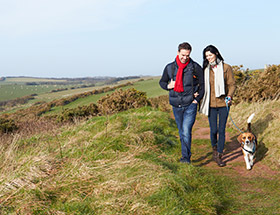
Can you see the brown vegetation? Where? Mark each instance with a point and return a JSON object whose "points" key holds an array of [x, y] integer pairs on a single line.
{"points": [[69, 115], [260, 86], [17, 101], [162, 103], [27, 122], [122, 100]]}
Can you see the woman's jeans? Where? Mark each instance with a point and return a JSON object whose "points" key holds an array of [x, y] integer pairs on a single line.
{"points": [[185, 118], [214, 114]]}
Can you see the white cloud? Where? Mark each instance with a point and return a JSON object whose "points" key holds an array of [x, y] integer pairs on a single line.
{"points": [[21, 17]]}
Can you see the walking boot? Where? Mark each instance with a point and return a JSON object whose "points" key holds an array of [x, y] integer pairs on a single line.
{"points": [[219, 160], [215, 153]]}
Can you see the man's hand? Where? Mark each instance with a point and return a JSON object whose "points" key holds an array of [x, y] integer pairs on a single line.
{"points": [[171, 85], [195, 95]]}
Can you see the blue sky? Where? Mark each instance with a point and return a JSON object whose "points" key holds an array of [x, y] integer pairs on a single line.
{"points": [[88, 38]]}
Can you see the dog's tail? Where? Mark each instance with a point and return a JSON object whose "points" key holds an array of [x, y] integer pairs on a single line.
{"points": [[249, 122]]}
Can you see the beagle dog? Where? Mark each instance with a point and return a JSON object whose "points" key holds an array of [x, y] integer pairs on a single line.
{"points": [[248, 143]]}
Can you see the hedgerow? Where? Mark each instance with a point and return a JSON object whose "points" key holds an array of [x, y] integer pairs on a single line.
{"points": [[122, 100], [262, 85], [7, 125], [78, 113]]}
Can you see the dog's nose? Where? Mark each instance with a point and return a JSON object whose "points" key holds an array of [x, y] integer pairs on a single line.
{"points": [[247, 141]]}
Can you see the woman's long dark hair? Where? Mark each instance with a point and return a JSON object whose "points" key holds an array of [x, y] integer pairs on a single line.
{"points": [[214, 51]]}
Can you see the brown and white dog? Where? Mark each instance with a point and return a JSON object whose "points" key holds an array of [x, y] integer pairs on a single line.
{"points": [[248, 143]]}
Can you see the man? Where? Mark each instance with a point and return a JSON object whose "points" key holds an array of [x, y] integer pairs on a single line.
{"points": [[184, 80]]}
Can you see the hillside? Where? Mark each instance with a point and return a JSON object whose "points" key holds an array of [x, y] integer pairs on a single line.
{"points": [[130, 167], [47, 89], [127, 162], [128, 170], [50, 93]]}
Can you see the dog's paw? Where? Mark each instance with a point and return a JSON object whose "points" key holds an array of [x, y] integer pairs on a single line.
{"points": [[248, 167]]}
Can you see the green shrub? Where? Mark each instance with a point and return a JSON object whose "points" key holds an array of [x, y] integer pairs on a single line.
{"points": [[122, 100], [79, 112], [239, 75], [7, 125]]}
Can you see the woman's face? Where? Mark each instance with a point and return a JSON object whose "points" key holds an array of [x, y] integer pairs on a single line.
{"points": [[210, 57]]}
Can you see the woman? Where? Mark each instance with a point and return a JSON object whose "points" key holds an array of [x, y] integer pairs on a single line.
{"points": [[219, 88]]}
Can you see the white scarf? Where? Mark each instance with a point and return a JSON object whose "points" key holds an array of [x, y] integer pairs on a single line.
{"points": [[218, 82]]}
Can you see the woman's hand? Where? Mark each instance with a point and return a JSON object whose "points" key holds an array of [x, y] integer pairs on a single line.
{"points": [[228, 100]]}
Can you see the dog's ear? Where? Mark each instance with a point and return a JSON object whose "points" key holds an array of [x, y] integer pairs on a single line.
{"points": [[255, 139], [239, 138]]}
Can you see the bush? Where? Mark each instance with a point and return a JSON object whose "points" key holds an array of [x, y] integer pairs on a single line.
{"points": [[261, 86], [7, 125], [79, 112], [17, 101], [122, 100], [162, 103], [240, 75]]}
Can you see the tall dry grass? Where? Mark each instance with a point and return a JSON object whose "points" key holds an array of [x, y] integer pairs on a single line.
{"points": [[131, 171], [265, 125]]}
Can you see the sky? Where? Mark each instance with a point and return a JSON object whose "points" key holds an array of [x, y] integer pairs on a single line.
{"points": [[118, 38]]}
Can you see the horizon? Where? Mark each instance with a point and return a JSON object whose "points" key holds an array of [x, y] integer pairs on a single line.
{"points": [[36, 77]]}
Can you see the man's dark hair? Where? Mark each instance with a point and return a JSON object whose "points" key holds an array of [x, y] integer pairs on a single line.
{"points": [[184, 45]]}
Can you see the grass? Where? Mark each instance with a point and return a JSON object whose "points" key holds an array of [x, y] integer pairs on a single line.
{"points": [[265, 125], [30, 79], [17, 89], [12, 91], [132, 168], [150, 86]]}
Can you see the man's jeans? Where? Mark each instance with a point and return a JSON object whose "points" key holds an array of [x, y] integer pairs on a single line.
{"points": [[214, 114], [185, 118]]}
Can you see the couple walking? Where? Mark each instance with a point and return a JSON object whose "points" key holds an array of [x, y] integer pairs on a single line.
{"points": [[189, 85]]}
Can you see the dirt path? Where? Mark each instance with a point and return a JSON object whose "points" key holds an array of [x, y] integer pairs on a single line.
{"points": [[232, 154], [253, 192]]}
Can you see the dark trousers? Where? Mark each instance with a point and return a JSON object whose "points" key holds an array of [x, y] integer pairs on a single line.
{"points": [[216, 114]]}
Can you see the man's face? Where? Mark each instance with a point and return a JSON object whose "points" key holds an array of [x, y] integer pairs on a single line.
{"points": [[184, 55]]}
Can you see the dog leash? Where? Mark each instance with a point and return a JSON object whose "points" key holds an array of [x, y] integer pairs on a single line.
{"points": [[227, 99]]}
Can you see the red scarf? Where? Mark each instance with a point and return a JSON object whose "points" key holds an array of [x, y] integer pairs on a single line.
{"points": [[179, 77]]}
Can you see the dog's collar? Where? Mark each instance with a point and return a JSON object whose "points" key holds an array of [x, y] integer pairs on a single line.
{"points": [[251, 152]]}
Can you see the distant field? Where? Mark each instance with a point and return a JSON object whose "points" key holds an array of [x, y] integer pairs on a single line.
{"points": [[62, 94], [13, 90], [26, 79], [150, 86]]}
